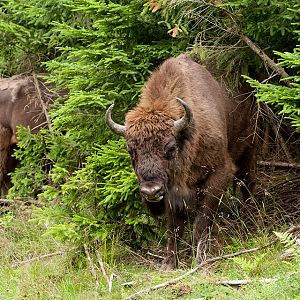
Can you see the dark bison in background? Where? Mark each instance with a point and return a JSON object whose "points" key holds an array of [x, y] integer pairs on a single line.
{"points": [[23, 101], [187, 140]]}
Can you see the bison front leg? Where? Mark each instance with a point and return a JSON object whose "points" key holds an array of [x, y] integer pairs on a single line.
{"points": [[211, 194], [175, 232]]}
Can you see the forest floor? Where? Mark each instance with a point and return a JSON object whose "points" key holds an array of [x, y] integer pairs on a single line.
{"points": [[35, 266]]}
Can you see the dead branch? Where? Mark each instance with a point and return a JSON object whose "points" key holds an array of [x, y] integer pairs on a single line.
{"points": [[270, 63], [279, 164], [256, 49], [130, 283], [40, 98], [38, 258], [282, 143], [139, 256], [270, 77], [91, 265], [159, 286], [101, 264], [156, 256], [201, 265], [245, 281], [110, 281], [266, 141]]}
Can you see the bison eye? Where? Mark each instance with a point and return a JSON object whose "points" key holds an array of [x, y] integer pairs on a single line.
{"points": [[170, 151]]}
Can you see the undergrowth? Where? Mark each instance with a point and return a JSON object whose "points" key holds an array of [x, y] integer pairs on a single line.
{"points": [[74, 274]]}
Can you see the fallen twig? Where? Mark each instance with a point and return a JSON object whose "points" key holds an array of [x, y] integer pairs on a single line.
{"points": [[108, 280], [245, 281], [91, 265], [130, 283], [282, 143], [156, 256], [38, 258], [279, 164], [161, 285], [207, 261], [139, 256]]}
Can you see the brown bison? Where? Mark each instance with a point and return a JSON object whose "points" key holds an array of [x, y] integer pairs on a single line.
{"points": [[187, 139], [23, 101]]}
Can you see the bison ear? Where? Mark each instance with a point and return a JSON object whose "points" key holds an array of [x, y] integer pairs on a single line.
{"points": [[116, 128], [186, 120]]}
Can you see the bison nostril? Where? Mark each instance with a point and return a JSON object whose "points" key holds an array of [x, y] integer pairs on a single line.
{"points": [[151, 190]]}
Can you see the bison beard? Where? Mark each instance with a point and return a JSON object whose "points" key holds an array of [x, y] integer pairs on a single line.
{"points": [[187, 139]]}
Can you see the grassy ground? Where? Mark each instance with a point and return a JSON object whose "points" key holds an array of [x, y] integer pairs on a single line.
{"points": [[22, 276]]}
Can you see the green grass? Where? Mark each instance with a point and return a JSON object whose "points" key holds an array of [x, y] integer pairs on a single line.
{"points": [[63, 277]]}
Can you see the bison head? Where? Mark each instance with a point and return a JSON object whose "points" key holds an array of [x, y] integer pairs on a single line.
{"points": [[153, 143]]}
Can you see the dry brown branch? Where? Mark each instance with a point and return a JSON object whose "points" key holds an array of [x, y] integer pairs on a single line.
{"points": [[269, 62], [40, 98], [139, 256], [256, 49], [272, 124], [266, 141], [207, 261], [110, 281], [278, 164], [156, 256], [161, 285], [269, 78], [129, 283], [91, 265], [38, 258], [282, 143], [202, 14], [101, 264], [245, 281]]}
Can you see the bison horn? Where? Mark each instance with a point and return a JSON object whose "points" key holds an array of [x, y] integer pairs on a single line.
{"points": [[183, 122], [116, 128]]}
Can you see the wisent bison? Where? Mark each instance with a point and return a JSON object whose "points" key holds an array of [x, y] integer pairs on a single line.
{"points": [[23, 100], [187, 140]]}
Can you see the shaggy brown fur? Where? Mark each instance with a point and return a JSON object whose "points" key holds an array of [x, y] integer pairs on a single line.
{"points": [[192, 167], [19, 105]]}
